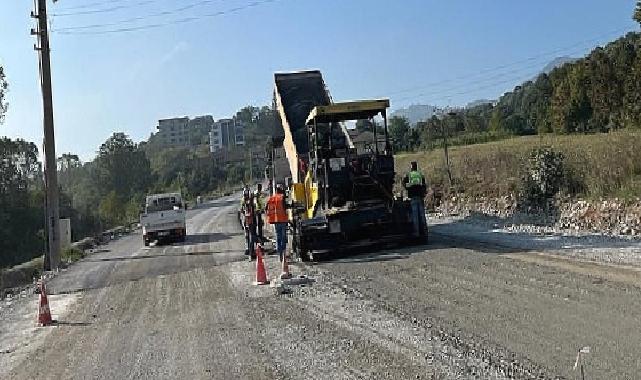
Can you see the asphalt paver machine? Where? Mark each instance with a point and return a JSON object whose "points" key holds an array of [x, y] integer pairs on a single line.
{"points": [[342, 190]]}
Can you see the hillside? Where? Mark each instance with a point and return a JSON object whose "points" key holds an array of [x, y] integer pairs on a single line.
{"points": [[601, 165], [556, 63], [598, 93]]}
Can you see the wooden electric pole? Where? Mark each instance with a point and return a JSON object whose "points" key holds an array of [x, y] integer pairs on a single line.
{"points": [[446, 130], [51, 174]]}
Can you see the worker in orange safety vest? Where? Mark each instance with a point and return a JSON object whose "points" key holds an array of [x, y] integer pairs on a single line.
{"points": [[276, 213]]}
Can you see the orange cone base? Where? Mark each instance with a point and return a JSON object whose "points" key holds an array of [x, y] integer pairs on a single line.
{"points": [[285, 275], [44, 313], [261, 273]]}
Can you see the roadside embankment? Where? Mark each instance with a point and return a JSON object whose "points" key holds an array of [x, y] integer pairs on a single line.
{"points": [[20, 275], [612, 217], [599, 184], [605, 165], [24, 274]]}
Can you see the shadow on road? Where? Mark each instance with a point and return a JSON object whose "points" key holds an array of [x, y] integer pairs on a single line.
{"points": [[118, 270], [369, 258], [216, 203], [159, 256], [206, 238], [67, 323]]}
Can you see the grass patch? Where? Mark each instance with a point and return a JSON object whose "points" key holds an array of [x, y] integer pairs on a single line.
{"points": [[466, 139], [606, 165], [72, 254], [21, 275]]}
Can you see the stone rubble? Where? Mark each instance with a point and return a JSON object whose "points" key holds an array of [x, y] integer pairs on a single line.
{"points": [[610, 217]]}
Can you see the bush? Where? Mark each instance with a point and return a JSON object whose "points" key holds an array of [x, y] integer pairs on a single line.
{"points": [[542, 179], [72, 254]]}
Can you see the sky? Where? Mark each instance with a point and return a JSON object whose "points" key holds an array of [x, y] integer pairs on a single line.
{"points": [[164, 58]]}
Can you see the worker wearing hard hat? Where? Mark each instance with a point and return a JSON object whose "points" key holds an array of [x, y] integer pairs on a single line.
{"points": [[276, 212], [414, 183]]}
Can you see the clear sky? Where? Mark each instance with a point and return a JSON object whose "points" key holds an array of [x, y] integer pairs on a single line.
{"points": [[222, 55]]}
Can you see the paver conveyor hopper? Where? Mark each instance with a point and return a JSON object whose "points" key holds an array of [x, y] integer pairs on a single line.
{"points": [[343, 194]]}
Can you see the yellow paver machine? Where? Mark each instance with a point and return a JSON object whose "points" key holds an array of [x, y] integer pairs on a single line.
{"points": [[341, 188]]}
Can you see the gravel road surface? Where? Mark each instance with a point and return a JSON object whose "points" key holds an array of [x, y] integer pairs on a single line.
{"points": [[462, 307]]}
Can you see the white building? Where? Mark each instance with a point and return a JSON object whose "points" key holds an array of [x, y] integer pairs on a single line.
{"points": [[215, 138], [226, 133]]}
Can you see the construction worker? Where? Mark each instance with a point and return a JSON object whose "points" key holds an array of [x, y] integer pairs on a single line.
{"points": [[259, 203], [248, 219], [277, 215], [414, 183]]}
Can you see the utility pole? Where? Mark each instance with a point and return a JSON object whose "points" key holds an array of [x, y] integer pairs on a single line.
{"points": [[51, 174], [445, 131], [251, 166]]}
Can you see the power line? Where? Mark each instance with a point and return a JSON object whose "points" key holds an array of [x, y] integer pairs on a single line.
{"points": [[145, 2], [139, 18], [83, 30], [501, 67], [529, 76], [97, 3], [471, 90], [517, 73], [447, 92], [103, 10]]}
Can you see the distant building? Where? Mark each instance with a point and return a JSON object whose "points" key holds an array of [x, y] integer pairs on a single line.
{"points": [[184, 132], [215, 139], [173, 132], [239, 132], [226, 134], [199, 128]]}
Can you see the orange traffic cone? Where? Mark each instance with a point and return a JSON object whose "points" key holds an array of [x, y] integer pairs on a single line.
{"points": [[44, 314], [285, 272], [261, 274]]}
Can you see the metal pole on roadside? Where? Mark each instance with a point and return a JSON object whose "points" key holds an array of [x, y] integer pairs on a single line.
{"points": [[579, 360], [51, 175], [251, 166]]}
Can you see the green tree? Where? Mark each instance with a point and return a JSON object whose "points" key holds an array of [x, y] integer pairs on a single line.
{"points": [[496, 123], [399, 132], [637, 12], [631, 107], [536, 105], [122, 167], [248, 114], [21, 202], [112, 209]]}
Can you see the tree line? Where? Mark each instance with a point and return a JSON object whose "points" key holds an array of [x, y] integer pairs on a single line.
{"points": [[108, 190], [598, 93]]}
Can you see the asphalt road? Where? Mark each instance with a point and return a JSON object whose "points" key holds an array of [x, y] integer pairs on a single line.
{"points": [[457, 308]]}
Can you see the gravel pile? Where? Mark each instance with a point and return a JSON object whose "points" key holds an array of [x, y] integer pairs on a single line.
{"points": [[611, 217]]}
